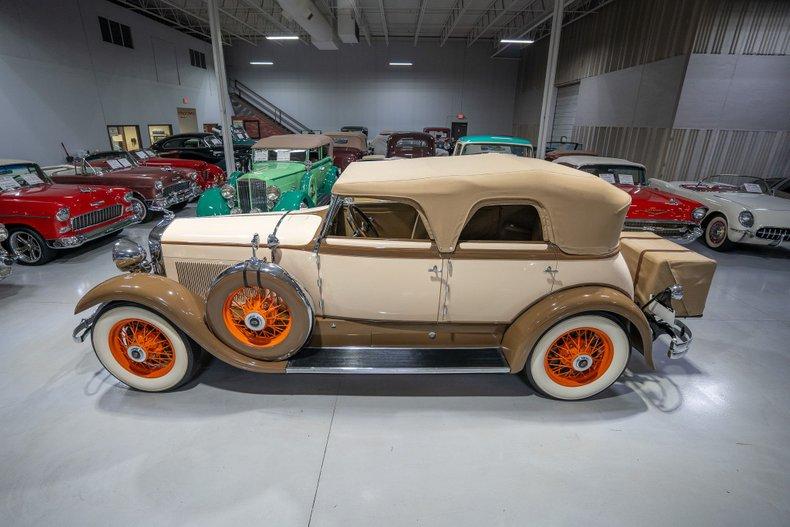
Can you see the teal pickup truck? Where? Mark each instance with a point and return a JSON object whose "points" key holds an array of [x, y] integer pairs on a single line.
{"points": [[288, 172], [493, 144]]}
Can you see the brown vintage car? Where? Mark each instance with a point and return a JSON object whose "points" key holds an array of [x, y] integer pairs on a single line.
{"points": [[411, 144], [347, 147], [157, 187]]}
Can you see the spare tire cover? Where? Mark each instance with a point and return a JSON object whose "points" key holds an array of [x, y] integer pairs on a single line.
{"points": [[266, 317]]}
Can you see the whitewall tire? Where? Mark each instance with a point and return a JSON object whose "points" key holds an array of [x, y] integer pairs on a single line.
{"points": [[578, 358], [142, 350]]}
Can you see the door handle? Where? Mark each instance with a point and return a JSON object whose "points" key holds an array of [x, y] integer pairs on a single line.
{"points": [[433, 269], [550, 270]]}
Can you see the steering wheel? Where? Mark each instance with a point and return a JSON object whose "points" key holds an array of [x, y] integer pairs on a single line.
{"points": [[361, 223]]}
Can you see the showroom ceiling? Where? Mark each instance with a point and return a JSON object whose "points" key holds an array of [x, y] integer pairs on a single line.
{"points": [[437, 20]]}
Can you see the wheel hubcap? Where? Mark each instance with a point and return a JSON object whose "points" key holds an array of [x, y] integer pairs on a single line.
{"points": [[25, 247], [254, 321], [136, 353], [141, 348], [717, 232], [579, 356]]}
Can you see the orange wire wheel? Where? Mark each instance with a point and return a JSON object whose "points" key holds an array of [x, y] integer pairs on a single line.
{"points": [[256, 316], [141, 348], [579, 356]]}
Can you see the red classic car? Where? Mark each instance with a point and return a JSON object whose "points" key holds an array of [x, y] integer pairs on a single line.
{"points": [[42, 216], [208, 174], [347, 147], [651, 209], [158, 187], [411, 144]]}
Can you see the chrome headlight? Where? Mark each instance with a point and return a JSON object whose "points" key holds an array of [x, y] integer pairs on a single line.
{"points": [[3, 233], [192, 176], [158, 186], [227, 192], [128, 197], [676, 291], [746, 218], [699, 213], [62, 214], [272, 196], [130, 256]]}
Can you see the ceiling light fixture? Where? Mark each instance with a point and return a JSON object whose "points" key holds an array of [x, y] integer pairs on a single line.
{"points": [[516, 41], [401, 64], [262, 63], [282, 37]]}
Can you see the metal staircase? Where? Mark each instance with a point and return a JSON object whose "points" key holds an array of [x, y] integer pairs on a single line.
{"points": [[268, 108]]}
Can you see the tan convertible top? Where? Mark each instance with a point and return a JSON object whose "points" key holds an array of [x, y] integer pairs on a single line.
{"points": [[293, 141], [581, 213], [356, 140]]}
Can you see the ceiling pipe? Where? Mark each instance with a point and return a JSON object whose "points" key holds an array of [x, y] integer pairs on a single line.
{"points": [[309, 17]]}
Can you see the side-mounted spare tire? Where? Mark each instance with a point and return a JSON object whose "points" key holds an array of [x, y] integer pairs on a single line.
{"points": [[257, 309]]}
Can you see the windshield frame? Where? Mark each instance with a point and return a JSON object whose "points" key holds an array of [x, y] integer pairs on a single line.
{"points": [[88, 161], [45, 179], [640, 181], [529, 150], [715, 182]]}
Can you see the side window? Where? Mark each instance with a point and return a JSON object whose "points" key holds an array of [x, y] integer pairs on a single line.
{"points": [[315, 154], [173, 143], [512, 223], [379, 219]]}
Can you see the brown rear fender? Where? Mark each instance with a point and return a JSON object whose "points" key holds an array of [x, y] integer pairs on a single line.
{"points": [[522, 335], [177, 304]]}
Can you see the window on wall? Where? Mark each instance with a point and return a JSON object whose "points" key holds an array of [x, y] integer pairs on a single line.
{"points": [[197, 59], [115, 33]]}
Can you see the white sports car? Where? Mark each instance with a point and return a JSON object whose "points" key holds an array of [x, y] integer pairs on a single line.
{"points": [[740, 210]]}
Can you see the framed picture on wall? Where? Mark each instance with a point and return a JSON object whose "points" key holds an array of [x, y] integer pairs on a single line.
{"points": [[159, 131]]}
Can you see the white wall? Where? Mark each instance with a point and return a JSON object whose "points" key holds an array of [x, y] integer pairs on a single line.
{"points": [[355, 86], [60, 82]]}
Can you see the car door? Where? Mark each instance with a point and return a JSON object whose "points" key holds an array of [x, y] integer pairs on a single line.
{"points": [[394, 277], [501, 265]]}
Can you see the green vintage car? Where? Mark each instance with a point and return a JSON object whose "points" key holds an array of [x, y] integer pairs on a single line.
{"points": [[488, 144], [288, 172]]}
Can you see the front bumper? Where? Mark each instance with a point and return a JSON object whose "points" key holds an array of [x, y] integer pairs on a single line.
{"points": [[68, 242], [765, 236], [677, 231], [184, 196], [5, 263], [663, 322]]}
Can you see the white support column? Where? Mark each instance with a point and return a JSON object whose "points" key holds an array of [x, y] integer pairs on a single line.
{"points": [[222, 85], [546, 113]]}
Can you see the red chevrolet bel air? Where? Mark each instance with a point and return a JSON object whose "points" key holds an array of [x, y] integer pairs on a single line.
{"points": [[42, 216], [653, 210]]}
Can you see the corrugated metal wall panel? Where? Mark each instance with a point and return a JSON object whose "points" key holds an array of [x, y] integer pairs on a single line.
{"points": [[643, 145], [744, 27]]}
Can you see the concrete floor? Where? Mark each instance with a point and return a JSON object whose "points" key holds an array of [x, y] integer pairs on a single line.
{"points": [[703, 441]]}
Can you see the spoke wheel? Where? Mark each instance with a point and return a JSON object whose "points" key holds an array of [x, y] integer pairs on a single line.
{"points": [[579, 357], [141, 348], [716, 234], [257, 316]]}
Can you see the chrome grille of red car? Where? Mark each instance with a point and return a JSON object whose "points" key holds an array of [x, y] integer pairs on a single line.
{"points": [[97, 216], [773, 233], [178, 187], [252, 194], [662, 228], [198, 276]]}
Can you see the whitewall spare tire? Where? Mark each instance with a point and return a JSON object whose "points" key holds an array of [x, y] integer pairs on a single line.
{"points": [[143, 350], [579, 357]]}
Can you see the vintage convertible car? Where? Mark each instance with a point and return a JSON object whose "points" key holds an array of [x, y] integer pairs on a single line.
{"points": [[42, 216], [411, 145], [208, 174], [652, 210], [5, 260], [740, 210], [288, 172], [203, 146], [347, 147], [416, 266], [152, 187], [492, 144]]}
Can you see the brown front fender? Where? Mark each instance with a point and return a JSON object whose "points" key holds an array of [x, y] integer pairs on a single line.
{"points": [[177, 304], [524, 333]]}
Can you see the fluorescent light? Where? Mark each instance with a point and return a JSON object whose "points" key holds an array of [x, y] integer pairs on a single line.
{"points": [[515, 41], [282, 37], [401, 64], [262, 63]]}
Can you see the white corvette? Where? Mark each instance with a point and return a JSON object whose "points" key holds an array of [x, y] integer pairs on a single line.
{"points": [[740, 210]]}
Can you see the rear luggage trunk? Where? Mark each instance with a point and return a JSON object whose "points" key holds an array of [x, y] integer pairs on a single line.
{"points": [[656, 263]]}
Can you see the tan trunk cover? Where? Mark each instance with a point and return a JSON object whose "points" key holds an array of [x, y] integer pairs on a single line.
{"points": [[656, 263]]}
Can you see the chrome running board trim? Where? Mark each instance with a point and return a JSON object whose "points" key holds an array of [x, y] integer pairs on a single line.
{"points": [[374, 360]]}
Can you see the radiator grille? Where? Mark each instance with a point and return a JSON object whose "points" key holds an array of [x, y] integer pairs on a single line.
{"points": [[178, 187], [197, 276], [252, 194], [774, 233], [97, 216]]}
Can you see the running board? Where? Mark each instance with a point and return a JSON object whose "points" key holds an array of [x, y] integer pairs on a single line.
{"points": [[398, 360]]}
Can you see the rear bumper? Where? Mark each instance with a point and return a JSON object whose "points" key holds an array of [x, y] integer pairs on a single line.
{"points": [[68, 242], [5, 263], [677, 231]]}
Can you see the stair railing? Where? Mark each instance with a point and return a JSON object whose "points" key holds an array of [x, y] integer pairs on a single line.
{"points": [[268, 108]]}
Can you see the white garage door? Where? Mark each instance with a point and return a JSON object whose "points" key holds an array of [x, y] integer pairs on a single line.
{"points": [[565, 112]]}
